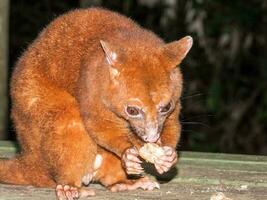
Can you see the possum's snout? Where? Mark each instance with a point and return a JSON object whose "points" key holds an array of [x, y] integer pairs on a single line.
{"points": [[151, 138], [151, 133]]}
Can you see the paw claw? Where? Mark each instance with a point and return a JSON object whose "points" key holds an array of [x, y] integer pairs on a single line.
{"points": [[165, 163], [87, 179], [143, 183], [67, 192], [131, 162]]}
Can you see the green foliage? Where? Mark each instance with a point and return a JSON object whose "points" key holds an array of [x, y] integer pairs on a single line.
{"points": [[214, 98]]}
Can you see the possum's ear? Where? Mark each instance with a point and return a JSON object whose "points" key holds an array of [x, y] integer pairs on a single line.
{"points": [[110, 53], [177, 50], [112, 57]]}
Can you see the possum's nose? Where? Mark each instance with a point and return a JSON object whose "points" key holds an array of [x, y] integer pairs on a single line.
{"points": [[151, 139], [151, 133]]}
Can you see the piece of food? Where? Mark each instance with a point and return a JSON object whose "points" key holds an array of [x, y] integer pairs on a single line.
{"points": [[151, 152], [219, 196]]}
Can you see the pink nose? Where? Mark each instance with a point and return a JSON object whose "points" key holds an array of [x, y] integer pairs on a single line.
{"points": [[152, 138]]}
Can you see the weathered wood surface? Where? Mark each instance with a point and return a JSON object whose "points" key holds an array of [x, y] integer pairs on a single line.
{"points": [[4, 8], [199, 176]]}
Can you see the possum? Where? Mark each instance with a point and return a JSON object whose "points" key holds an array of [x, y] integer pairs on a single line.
{"points": [[89, 89]]}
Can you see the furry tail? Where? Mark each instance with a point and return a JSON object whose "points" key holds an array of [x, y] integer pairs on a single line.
{"points": [[11, 171]]}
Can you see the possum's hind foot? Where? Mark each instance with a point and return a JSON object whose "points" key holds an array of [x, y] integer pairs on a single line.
{"points": [[67, 192], [144, 183]]}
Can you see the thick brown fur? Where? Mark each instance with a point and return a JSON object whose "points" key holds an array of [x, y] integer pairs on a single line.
{"points": [[67, 106]]}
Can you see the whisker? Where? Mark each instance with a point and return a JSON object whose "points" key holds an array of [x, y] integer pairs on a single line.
{"points": [[188, 131], [196, 123], [119, 124], [192, 95], [197, 116]]}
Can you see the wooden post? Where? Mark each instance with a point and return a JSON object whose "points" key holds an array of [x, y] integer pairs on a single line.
{"points": [[4, 14]]}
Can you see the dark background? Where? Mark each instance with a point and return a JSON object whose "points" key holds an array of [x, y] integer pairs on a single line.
{"points": [[225, 95]]}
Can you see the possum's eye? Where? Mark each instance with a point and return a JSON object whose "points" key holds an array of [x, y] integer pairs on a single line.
{"points": [[133, 111], [166, 109]]}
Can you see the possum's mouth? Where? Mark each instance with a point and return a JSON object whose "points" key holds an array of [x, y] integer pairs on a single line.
{"points": [[143, 136], [151, 139]]}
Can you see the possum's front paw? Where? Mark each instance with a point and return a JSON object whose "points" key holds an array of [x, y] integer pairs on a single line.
{"points": [[165, 162], [131, 162], [162, 157], [144, 183]]}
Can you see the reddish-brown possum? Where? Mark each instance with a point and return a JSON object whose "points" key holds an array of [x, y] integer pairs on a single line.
{"points": [[87, 93]]}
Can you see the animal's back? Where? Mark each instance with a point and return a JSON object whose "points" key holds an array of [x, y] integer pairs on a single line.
{"points": [[57, 54]]}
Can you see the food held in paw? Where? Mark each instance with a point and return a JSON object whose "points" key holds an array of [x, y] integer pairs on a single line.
{"points": [[151, 152]]}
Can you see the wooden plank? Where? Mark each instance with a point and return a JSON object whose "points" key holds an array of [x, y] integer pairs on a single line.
{"points": [[223, 156], [170, 191], [4, 7], [198, 176], [8, 149], [225, 161]]}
